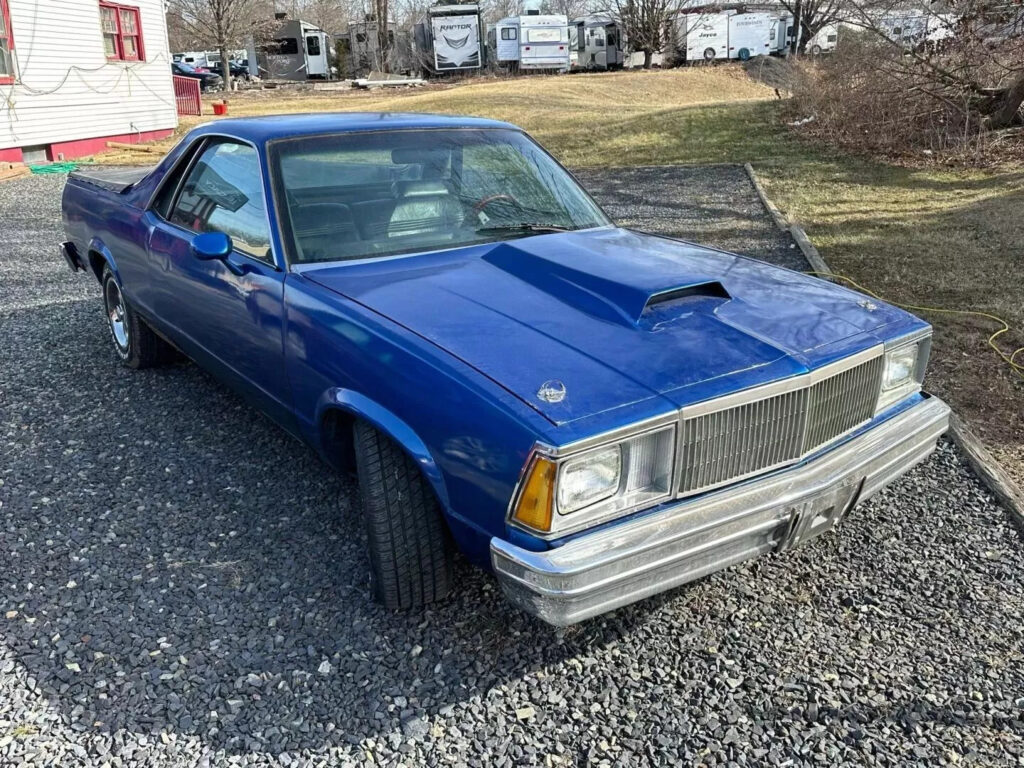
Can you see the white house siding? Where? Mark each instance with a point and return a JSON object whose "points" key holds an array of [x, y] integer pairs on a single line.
{"points": [[66, 90]]}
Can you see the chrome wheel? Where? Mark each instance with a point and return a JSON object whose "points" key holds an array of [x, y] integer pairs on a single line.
{"points": [[117, 316]]}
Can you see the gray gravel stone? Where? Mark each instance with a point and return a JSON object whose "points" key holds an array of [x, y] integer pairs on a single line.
{"points": [[207, 547]]}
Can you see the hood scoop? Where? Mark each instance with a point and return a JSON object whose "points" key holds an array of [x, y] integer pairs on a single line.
{"points": [[611, 300], [709, 290]]}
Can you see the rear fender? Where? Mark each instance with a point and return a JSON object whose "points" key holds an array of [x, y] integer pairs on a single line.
{"points": [[380, 417], [96, 246]]}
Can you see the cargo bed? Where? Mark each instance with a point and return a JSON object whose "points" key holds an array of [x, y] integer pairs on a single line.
{"points": [[117, 179]]}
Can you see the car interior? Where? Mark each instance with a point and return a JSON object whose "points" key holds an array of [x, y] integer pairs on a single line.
{"points": [[410, 199]]}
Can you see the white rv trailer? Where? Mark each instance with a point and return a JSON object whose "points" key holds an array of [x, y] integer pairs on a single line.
{"points": [[824, 40], [448, 38], [533, 42], [725, 35], [596, 42], [298, 51]]}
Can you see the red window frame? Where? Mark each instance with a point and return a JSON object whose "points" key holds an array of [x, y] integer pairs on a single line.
{"points": [[120, 35], [8, 35]]}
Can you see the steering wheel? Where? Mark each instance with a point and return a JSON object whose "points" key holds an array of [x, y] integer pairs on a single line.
{"points": [[483, 202]]}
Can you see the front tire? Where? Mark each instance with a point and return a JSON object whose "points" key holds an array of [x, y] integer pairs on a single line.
{"points": [[134, 341], [410, 547]]}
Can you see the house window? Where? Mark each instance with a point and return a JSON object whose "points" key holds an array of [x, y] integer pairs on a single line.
{"points": [[6, 45], [122, 32]]}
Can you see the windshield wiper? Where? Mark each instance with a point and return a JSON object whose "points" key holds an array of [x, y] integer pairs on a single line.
{"points": [[525, 227]]}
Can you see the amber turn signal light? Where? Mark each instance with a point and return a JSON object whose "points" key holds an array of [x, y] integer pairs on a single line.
{"points": [[534, 507]]}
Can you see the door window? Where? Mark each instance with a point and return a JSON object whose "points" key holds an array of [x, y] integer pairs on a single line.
{"points": [[224, 193], [313, 45]]}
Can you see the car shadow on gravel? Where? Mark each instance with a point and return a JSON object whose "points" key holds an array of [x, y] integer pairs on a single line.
{"points": [[179, 564]]}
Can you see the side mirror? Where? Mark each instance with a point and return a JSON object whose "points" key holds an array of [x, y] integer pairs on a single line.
{"points": [[212, 245]]}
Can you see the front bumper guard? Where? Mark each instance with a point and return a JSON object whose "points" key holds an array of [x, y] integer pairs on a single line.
{"points": [[624, 563]]}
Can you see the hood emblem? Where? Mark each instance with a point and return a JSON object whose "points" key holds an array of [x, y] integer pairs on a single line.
{"points": [[870, 306], [552, 391]]}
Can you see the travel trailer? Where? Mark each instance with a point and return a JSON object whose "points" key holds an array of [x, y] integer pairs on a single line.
{"points": [[298, 51], [364, 51], [448, 39], [824, 40], [533, 42], [725, 35], [596, 42]]}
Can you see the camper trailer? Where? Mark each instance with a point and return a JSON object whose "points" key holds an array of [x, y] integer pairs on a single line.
{"points": [[596, 43], [365, 51], [824, 40], [533, 41], [298, 51], [725, 35], [448, 39]]}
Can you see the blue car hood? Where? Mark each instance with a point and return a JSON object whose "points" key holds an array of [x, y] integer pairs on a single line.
{"points": [[616, 316]]}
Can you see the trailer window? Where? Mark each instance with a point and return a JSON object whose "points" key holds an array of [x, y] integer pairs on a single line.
{"points": [[122, 32], [509, 33], [313, 45], [286, 46], [543, 35], [6, 45]]}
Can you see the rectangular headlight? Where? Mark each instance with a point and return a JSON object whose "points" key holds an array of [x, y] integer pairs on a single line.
{"points": [[903, 370], [599, 483], [589, 479]]}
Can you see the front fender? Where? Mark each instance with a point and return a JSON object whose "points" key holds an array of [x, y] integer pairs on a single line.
{"points": [[363, 407]]}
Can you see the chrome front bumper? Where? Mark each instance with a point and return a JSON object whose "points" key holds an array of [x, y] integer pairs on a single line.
{"points": [[624, 563]]}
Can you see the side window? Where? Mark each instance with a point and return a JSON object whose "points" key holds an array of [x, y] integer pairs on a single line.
{"points": [[224, 193], [509, 33]]}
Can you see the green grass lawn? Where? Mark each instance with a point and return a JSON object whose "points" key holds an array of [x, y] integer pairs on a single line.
{"points": [[930, 237]]}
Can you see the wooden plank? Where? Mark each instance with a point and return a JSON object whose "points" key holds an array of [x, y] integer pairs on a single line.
{"points": [[136, 147], [988, 469], [773, 209], [16, 172]]}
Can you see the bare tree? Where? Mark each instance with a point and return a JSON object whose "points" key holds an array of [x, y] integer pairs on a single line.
{"points": [[643, 22], [223, 25], [916, 79], [810, 16]]}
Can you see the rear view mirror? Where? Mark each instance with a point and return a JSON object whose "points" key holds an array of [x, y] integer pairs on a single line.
{"points": [[212, 245]]}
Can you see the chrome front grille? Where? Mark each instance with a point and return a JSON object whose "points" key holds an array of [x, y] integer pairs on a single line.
{"points": [[841, 402], [775, 425]]}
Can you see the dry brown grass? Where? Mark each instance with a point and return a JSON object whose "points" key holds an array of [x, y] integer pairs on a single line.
{"points": [[618, 118]]}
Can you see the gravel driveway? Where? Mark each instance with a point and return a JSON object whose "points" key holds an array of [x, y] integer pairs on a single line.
{"points": [[184, 585]]}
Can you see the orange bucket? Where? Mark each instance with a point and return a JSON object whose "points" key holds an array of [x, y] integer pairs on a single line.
{"points": [[220, 108]]}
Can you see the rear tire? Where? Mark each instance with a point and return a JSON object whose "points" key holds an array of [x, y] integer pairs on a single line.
{"points": [[134, 341], [409, 545], [709, 54]]}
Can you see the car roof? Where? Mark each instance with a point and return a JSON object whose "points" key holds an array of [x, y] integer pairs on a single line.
{"points": [[271, 127]]}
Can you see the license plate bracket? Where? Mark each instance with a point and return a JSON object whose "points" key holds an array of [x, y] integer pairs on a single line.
{"points": [[817, 514]]}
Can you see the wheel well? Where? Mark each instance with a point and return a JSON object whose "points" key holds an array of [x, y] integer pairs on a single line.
{"points": [[97, 262], [337, 441]]}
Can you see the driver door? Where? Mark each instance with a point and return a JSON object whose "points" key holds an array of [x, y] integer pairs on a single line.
{"points": [[227, 314]]}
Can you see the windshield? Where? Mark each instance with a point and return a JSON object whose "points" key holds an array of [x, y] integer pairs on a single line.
{"points": [[365, 195]]}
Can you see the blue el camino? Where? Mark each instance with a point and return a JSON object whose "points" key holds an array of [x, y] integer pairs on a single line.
{"points": [[593, 413]]}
